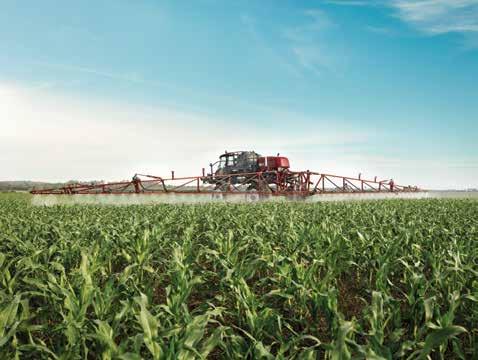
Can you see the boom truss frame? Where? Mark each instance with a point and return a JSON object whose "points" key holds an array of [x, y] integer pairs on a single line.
{"points": [[278, 183]]}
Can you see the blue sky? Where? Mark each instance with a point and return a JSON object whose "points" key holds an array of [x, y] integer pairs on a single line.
{"points": [[103, 89]]}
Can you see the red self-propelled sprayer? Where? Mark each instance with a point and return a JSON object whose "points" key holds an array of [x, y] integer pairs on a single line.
{"points": [[242, 175]]}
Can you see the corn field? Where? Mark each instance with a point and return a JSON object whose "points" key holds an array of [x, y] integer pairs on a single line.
{"points": [[372, 280]]}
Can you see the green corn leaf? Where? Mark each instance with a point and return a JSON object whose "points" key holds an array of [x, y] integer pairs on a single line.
{"points": [[150, 326], [9, 334], [439, 337]]}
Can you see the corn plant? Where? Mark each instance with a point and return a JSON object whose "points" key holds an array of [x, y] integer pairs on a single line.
{"points": [[370, 280]]}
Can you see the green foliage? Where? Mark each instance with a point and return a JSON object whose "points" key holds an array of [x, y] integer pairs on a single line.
{"points": [[371, 280]]}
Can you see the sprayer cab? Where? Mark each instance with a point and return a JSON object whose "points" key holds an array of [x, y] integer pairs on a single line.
{"points": [[238, 162]]}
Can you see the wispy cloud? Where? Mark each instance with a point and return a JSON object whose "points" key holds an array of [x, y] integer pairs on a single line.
{"points": [[439, 16], [426, 172], [316, 21], [48, 132], [250, 26], [353, 2], [311, 58], [307, 42], [299, 49], [133, 77], [381, 30], [430, 17]]}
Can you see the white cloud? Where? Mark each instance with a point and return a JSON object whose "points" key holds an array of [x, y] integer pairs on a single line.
{"points": [[132, 77], [431, 17], [312, 58], [250, 26], [46, 136], [428, 173], [52, 137], [352, 2], [307, 43], [318, 21], [439, 16], [381, 30]]}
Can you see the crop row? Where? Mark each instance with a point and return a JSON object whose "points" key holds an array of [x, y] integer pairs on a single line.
{"points": [[376, 280]]}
